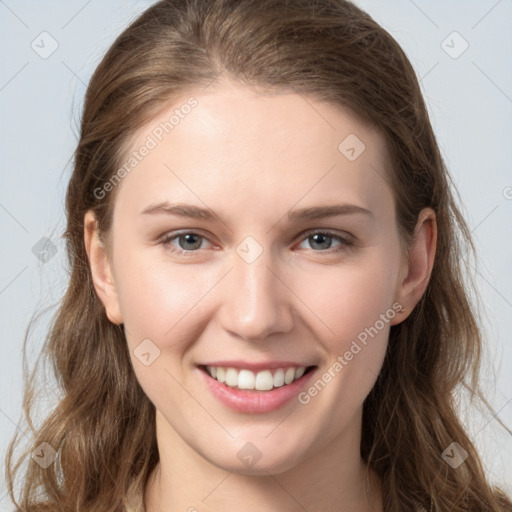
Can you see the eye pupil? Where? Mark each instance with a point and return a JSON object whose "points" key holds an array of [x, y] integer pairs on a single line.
{"points": [[196, 244], [322, 236]]}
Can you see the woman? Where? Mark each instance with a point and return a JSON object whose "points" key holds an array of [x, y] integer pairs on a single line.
{"points": [[250, 371]]}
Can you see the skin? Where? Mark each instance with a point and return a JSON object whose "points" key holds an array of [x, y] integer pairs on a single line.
{"points": [[251, 158]]}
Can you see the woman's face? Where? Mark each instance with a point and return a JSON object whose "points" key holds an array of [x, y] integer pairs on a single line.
{"points": [[216, 264]]}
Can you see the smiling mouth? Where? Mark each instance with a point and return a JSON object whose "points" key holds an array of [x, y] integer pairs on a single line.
{"points": [[265, 380]]}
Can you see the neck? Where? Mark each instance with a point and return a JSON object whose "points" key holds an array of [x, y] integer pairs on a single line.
{"points": [[334, 479]]}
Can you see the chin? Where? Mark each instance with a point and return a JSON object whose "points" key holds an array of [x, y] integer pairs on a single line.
{"points": [[248, 460]]}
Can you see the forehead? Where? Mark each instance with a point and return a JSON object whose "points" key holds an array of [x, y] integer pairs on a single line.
{"points": [[229, 142]]}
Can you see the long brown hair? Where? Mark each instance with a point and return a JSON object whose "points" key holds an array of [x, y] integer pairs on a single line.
{"points": [[103, 426]]}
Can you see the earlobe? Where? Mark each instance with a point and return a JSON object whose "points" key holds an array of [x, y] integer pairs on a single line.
{"points": [[101, 269], [418, 267]]}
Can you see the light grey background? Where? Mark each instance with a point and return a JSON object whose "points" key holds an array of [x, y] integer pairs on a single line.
{"points": [[469, 99]]}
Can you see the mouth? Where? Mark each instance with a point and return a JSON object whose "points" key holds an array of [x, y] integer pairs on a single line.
{"points": [[263, 380], [255, 391]]}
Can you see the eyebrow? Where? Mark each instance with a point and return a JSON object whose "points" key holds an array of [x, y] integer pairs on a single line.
{"points": [[311, 213]]}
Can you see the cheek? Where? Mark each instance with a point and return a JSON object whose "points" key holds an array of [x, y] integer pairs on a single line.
{"points": [[351, 297], [158, 302], [163, 301], [358, 311], [151, 296], [356, 304]]}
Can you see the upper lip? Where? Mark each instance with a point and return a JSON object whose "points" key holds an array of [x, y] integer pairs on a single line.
{"points": [[265, 365]]}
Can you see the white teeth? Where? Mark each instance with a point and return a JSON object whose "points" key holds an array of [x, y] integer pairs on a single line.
{"points": [[279, 378], [299, 372], [264, 381], [221, 374], [231, 377], [289, 375], [260, 381], [245, 379]]}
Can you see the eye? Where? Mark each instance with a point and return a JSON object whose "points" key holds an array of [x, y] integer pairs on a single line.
{"points": [[190, 241], [323, 241]]}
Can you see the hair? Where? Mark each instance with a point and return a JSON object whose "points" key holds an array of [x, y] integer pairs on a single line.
{"points": [[103, 426]]}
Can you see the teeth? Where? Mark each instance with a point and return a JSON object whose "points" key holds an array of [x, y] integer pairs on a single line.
{"points": [[221, 374], [231, 377], [264, 381], [245, 379], [289, 375], [279, 378], [299, 372], [261, 381]]}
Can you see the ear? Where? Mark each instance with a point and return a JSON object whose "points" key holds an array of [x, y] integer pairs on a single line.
{"points": [[101, 269], [418, 263]]}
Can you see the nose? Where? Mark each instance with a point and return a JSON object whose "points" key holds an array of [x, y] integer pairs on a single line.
{"points": [[256, 300]]}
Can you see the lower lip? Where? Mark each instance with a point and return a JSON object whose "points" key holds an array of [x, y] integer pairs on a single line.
{"points": [[254, 402]]}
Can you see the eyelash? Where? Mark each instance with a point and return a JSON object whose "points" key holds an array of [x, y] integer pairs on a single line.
{"points": [[166, 242]]}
